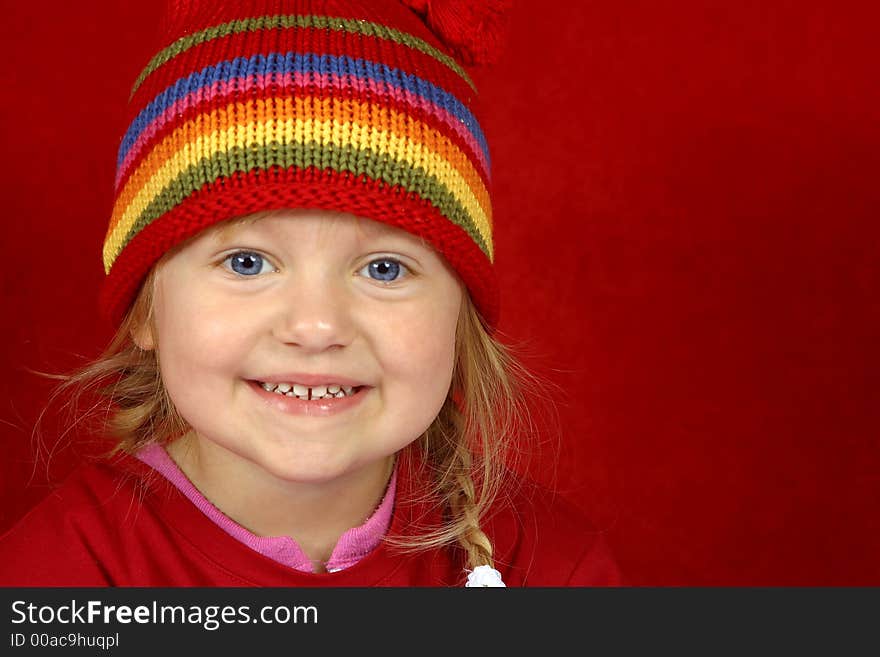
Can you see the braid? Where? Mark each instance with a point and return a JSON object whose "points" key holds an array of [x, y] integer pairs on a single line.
{"points": [[463, 506], [450, 462]]}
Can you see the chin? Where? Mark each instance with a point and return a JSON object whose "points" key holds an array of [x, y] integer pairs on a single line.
{"points": [[309, 470]]}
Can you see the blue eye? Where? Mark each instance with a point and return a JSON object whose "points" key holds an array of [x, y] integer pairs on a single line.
{"points": [[247, 263], [385, 270]]}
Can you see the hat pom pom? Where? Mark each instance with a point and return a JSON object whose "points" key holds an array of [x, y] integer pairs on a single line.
{"points": [[473, 31]]}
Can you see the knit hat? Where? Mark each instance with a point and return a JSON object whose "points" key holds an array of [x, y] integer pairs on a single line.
{"points": [[351, 106]]}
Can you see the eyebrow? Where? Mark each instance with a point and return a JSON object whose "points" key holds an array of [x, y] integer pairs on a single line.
{"points": [[374, 229], [221, 232]]}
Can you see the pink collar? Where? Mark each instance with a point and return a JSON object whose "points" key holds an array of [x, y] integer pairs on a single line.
{"points": [[352, 546]]}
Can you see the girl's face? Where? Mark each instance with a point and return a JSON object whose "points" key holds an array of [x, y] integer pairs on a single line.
{"points": [[318, 303]]}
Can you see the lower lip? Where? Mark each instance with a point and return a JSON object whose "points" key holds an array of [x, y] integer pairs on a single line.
{"points": [[313, 408]]}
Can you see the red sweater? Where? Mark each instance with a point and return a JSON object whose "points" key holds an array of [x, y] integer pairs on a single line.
{"points": [[119, 523]]}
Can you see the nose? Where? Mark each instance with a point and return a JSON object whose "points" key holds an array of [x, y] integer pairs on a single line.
{"points": [[315, 316]]}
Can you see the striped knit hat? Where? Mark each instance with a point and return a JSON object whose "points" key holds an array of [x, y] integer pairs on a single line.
{"points": [[351, 106]]}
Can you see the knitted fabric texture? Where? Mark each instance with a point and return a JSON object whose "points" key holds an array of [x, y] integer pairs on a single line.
{"points": [[267, 104]]}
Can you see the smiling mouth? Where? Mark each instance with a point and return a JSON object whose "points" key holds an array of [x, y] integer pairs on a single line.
{"points": [[306, 393]]}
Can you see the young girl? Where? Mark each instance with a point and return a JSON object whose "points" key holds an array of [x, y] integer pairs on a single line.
{"points": [[304, 386]]}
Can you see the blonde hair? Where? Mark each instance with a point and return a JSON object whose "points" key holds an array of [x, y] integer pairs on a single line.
{"points": [[469, 452]]}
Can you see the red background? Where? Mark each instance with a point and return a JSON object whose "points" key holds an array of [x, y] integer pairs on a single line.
{"points": [[687, 208]]}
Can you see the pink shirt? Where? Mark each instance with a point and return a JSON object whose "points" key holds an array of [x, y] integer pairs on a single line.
{"points": [[352, 546]]}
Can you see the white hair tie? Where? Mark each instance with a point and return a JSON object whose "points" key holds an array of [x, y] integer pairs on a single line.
{"points": [[484, 576]]}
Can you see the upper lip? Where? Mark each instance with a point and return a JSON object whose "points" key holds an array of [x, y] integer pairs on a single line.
{"points": [[310, 379]]}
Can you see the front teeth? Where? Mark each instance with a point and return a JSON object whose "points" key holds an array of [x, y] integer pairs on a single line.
{"points": [[305, 392]]}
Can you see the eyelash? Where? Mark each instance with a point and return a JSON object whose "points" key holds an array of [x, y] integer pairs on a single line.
{"points": [[403, 269]]}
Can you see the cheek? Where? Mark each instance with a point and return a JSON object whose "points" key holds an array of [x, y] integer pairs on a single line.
{"points": [[417, 376], [421, 356], [196, 339]]}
